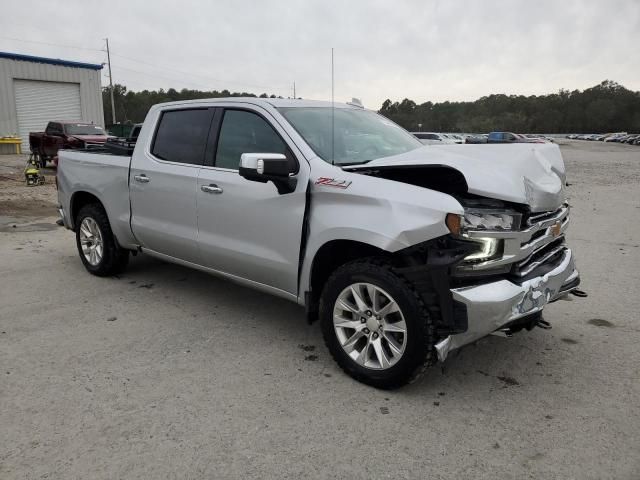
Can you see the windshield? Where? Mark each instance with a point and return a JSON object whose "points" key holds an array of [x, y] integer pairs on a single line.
{"points": [[83, 129], [360, 135]]}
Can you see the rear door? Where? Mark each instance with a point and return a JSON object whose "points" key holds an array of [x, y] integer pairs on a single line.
{"points": [[163, 181], [247, 229]]}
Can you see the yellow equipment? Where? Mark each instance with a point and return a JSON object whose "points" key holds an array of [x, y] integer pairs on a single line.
{"points": [[32, 173]]}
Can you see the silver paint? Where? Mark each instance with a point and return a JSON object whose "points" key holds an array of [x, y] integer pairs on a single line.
{"points": [[251, 234]]}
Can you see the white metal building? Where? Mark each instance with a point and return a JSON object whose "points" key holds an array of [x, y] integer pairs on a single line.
{"points": [[36, 90]]}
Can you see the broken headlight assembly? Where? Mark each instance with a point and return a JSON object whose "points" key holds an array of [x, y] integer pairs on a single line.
{"points": [[474, 222]]}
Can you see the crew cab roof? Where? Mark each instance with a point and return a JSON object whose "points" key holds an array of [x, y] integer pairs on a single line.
{"points": [[272, 102]]}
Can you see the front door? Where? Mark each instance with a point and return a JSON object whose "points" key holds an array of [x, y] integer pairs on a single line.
{"points": [[247, 229], [163, 182], [52, 140]]}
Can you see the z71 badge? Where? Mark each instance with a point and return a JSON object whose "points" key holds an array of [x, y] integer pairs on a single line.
{"points": [[332, 182]]}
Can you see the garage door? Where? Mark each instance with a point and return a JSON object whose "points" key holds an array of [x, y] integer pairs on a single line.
{"points": [[37, 103]]}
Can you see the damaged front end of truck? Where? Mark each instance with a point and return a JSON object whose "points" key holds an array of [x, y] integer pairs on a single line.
{"points": [[506, 255]]}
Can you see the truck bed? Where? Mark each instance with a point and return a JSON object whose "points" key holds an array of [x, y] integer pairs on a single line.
{"points": [[102, 174]]}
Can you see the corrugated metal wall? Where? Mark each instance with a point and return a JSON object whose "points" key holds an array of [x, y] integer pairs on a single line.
{"points": [[90, 89]]}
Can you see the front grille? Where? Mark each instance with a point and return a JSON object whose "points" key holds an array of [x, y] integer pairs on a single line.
{"points": [[546, 242], [534, 218], [543, 256]]}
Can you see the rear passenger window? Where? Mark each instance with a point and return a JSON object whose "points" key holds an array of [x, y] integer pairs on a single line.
{"points": [[245, 132], [182, 136]]}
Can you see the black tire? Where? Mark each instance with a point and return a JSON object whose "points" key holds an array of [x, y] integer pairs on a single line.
{"points": [[114, 258], [419, 351]]}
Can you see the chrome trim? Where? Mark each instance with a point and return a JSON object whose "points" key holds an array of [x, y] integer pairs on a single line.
{"points": [[522, 272], [491, 306], [518, 245]]}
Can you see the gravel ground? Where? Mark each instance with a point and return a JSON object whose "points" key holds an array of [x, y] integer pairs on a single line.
{"points": [[168, 373]]}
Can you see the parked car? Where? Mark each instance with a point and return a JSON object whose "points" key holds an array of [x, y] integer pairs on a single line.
{"points": [[432, 138], [476, 138], [615, 137], [65, 135], [538, 138], [454, 137], [403, 253], [509, 137]]}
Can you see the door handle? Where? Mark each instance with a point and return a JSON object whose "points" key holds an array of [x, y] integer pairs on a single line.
{"points": [[211, 188], [141, 178]]}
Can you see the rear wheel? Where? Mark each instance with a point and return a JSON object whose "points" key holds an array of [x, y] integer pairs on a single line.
{"points": [[97, 246], [375, 325]]}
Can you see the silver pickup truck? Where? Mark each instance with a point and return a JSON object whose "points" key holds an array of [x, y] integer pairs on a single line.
{"points": [[402, 251]]}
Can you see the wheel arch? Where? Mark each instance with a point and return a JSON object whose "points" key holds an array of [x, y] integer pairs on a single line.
{"points": [[326, 260], [78, 200]]}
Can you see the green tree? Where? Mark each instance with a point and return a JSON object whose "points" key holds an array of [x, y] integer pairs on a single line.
{"points": [[605, 107]]}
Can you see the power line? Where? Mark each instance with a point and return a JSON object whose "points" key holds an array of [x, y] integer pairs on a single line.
{"points": [[181, 72], [161, 67], [53, 44], [116, 67]]}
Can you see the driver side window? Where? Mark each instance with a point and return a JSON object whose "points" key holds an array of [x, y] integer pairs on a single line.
{"points": [[245, 132]]}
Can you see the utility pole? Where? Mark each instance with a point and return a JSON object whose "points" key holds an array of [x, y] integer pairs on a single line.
{"points": [[113, 105], [294, 89]]}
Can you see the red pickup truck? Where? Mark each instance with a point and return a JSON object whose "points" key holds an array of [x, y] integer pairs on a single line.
{"points": [[65, 135]]}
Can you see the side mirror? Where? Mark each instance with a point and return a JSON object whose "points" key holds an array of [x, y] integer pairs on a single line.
{"points": [[267, 167]]}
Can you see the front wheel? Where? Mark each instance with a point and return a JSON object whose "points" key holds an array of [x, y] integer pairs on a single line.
{"points": [[97, 246], [375, 325]]}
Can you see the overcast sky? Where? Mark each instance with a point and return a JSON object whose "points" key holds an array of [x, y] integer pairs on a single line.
{"points": [[423, 49]]}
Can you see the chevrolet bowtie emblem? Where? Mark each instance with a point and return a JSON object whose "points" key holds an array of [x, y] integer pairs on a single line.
{"points": [[556, 228]]}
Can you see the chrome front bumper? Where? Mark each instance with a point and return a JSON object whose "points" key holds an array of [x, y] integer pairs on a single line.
{"points": [[493, 305]]}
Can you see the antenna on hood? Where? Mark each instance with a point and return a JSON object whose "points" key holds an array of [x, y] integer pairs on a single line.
{"points": [[333, 111]]}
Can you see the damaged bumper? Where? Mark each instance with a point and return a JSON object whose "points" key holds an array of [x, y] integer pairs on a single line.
{"points": [[492, 306]]}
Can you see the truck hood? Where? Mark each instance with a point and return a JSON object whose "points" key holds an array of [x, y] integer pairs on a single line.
{"points": [[91, 138], [531, 174]]}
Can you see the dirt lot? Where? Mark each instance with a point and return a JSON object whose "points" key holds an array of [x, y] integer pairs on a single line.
{"points": [[20, 203], [169, 373]]}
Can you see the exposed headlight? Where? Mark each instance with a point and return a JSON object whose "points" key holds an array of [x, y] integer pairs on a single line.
{"points": [[490, 220], [483, 220]]}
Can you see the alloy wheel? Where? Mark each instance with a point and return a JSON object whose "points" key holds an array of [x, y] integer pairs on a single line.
{"points": [[370, 326], [91, 241]]}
